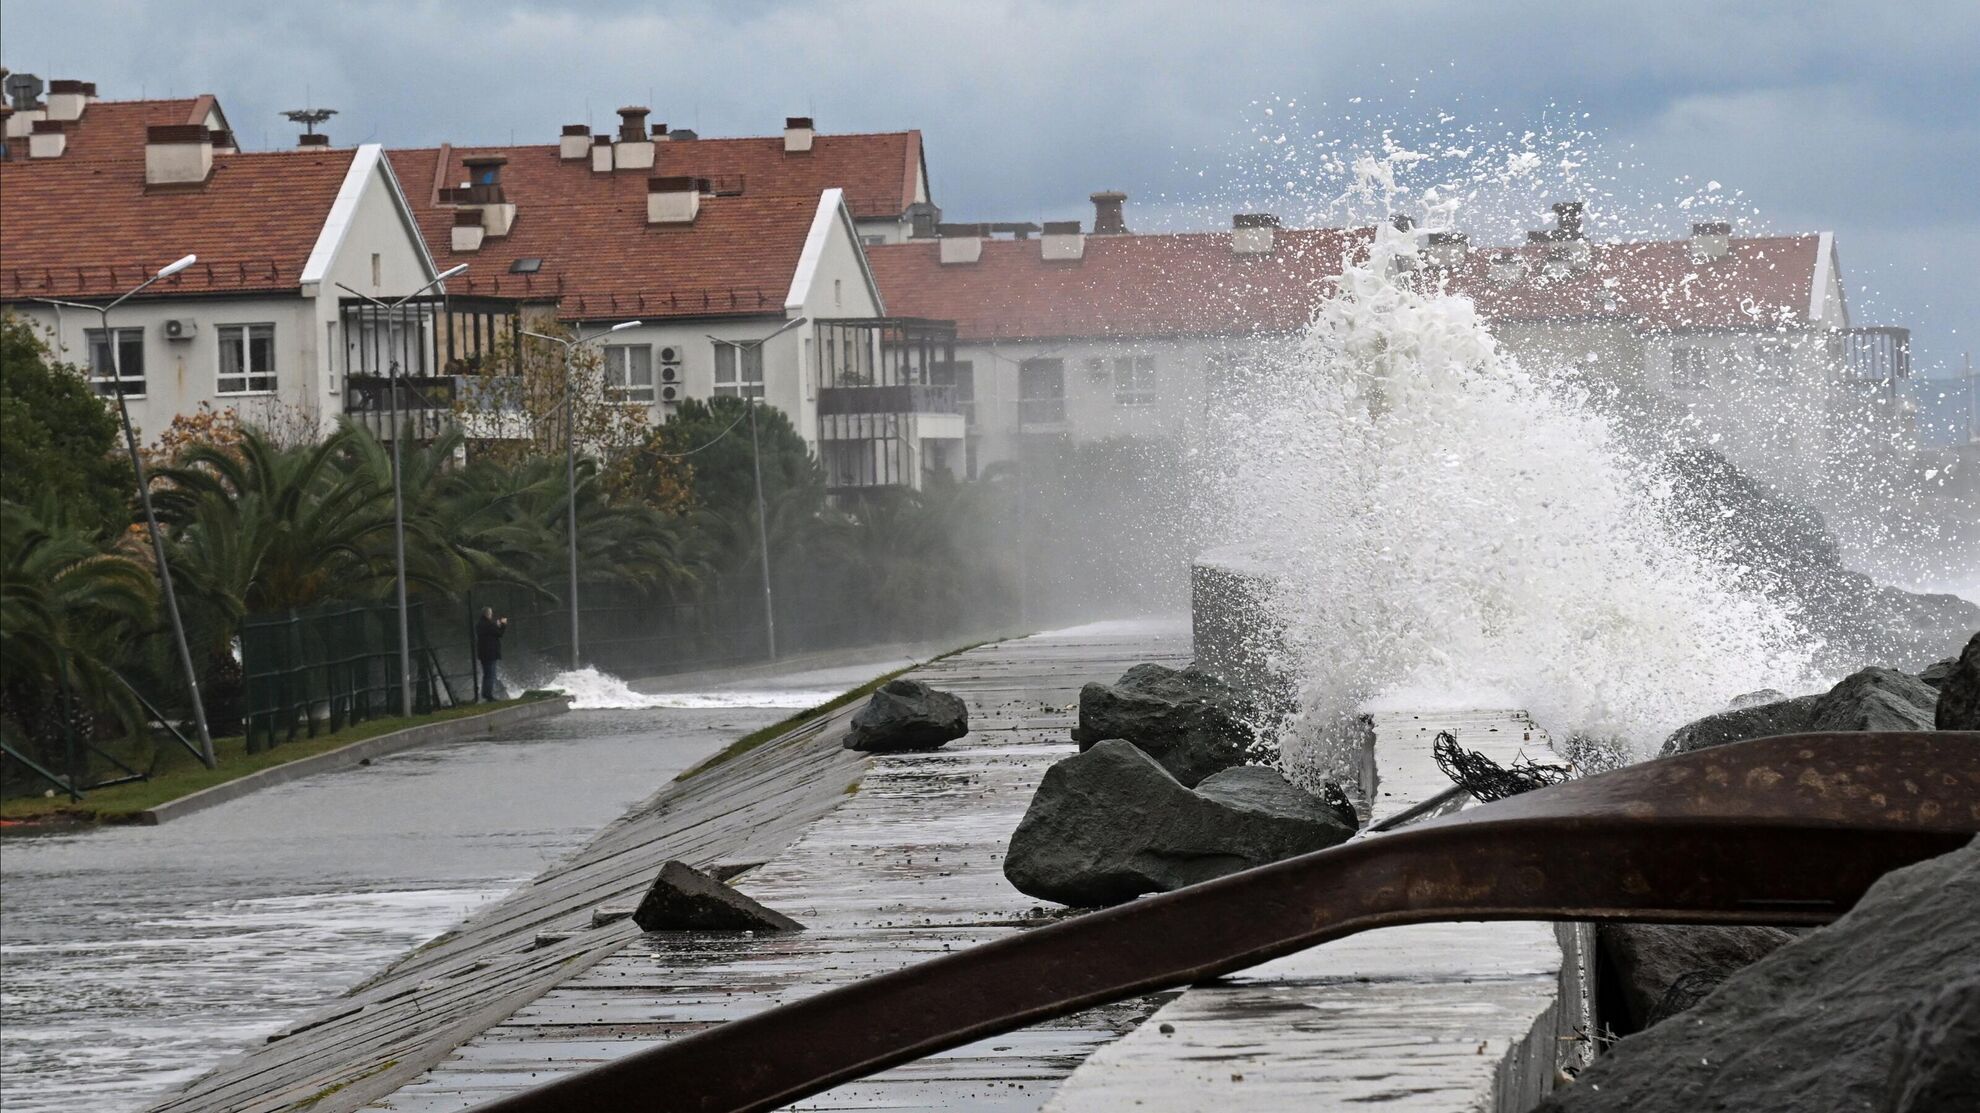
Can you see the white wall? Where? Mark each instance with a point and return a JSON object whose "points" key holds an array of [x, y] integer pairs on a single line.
{"points": [[378, 255]]}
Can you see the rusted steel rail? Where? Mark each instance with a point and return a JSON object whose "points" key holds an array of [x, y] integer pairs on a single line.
{"points": [[1788, 830]]}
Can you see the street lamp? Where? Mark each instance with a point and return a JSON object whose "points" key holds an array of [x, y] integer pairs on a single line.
{"points": [[144, 498], [570, 456], [756, 464], [398, 495]]}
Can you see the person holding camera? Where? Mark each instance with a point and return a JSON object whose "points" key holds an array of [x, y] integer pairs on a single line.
{"points": [[488, 648]]}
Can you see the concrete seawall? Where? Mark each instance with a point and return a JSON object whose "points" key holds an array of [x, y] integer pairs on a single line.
{"points": [[450, 730]]}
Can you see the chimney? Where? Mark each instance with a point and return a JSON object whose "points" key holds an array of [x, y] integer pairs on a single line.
{"points": [[601, 154], [47, 140], [798, 134], [574, 142], [960, 243], [483, 195], [1711, 240], [1253, 233], [1107, 219], [1567, 219], [635, 147], [923, 216], [674, 200], [223, 142], [468, 231], [20, 121], [312, 139], [659, 133], [1446, 250], [1061, 242], [1506, 268], [67, 99], [177, 154]]}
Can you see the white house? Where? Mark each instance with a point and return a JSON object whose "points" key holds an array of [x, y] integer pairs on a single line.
{"points": [[104, 193]]}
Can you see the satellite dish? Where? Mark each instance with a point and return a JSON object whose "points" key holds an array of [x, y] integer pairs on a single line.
{"points": [[23, 90]]}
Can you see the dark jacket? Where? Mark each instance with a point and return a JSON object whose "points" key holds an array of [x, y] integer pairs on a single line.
{"points": [[488, 639]]}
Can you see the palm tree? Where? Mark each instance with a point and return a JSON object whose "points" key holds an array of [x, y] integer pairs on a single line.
{"points": [[70, 610]]}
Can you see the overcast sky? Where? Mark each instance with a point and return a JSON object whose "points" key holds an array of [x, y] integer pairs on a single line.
{"points": [[1857, 118]]}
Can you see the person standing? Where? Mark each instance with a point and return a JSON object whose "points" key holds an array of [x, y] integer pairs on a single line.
{"points": [[488, 648]]}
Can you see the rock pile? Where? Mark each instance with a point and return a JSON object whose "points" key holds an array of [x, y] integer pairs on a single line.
{"points": [[907, 715], [1959, 692], [1110, 824], [1871, 699]]}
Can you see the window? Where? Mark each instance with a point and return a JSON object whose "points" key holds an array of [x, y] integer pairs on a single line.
{"points": [[629, 371], [1688, 368], [377, 270], [247, 359], [960, 378], [528, 264], [130, 362], [838, 292], [749, 384], [1134, 381], [1041, 391]]}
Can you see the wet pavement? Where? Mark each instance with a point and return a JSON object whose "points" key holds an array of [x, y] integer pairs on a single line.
{"points": [[133, 959]]}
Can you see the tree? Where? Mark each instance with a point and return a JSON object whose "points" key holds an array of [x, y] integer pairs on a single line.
{"points": [[57, 437], [713, 438]]}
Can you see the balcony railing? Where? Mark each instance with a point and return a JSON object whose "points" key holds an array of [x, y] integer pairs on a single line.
{"points": [[1876, 359], [906, 398], [425, 358]]}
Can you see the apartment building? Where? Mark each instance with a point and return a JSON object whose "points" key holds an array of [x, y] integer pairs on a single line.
{"points": [[97, 195]]}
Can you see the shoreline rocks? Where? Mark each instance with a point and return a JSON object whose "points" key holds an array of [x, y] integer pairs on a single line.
{"points": [[1869, 699], [904, 715], [1959, 693], [1187, 720]]}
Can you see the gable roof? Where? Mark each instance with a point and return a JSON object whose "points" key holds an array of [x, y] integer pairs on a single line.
{"points": [[880, 171], [84, 224], [1194, 284], [599, 256]]}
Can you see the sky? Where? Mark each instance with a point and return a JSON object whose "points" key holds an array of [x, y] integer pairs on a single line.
{"points": [[1852, 117]]}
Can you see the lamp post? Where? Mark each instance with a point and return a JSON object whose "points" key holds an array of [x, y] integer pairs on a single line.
{"points": [[570, 457], [398, 494], [144, 499], [756, 465]]}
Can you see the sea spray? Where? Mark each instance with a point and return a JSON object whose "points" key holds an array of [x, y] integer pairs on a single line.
{"points": [[1440, 519], [592, 690]]}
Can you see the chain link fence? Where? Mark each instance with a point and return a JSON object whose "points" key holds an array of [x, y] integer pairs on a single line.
{"points": [[329, 666]]}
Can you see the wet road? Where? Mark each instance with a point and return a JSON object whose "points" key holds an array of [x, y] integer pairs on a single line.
{"points": [[133, 959]]}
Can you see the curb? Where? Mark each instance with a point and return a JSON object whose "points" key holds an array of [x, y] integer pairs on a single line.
{"points": [[345, 756]]}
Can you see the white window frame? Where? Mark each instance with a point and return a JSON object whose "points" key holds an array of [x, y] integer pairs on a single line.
{"points": [[728, 382], [269, 377], [100, 377], [619, 381], [1134, 381], [1690, 383], [1042, 409]]}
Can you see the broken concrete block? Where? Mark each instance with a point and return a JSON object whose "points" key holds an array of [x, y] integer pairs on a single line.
{"points": [[685, 899]]}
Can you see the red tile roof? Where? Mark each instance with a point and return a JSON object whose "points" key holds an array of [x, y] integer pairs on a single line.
{"points": [[1761, 282], [600, 258], [85, 225], [1133, 285], [879, 171]]}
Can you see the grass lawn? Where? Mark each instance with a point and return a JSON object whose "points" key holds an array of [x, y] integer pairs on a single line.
{"points": [[180, 774]]}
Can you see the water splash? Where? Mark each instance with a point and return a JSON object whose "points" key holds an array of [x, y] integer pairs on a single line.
{"points": [[1439, 518], [592, 690]]}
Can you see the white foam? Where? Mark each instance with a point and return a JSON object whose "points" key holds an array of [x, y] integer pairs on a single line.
{"points": [[592, 690], [1442, 521]]}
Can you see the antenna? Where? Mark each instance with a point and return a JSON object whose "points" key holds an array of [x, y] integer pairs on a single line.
{"points": [[310, 117]]}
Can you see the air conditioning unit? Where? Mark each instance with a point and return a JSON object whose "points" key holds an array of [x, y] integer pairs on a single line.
{"points": [[670, 354], [669, 374], [180, 328], [670, 393]]}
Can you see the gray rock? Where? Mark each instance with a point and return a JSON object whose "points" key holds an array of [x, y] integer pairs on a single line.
{"points": [[1815, 1025], [1937, 1065], [1959, 699], [1110, 824], [1663, 969], [1189, 721], [907, 715], [1757, 699], [685, 899], [1870, 699], [1935, 675]]}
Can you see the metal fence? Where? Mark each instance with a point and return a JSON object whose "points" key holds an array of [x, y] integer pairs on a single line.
{"points": [[329, 666]]}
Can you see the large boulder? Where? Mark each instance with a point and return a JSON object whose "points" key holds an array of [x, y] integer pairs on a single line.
{"points": [[683, 898], [1870, 699], [907, 715], [1959, 697], [1188, 720], [1110, 824], [1821, 1023], [1937, 1065], [1661, 970]]}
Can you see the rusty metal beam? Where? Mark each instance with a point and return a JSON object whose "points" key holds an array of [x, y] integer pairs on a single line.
{"points": [[1788, 830]]}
